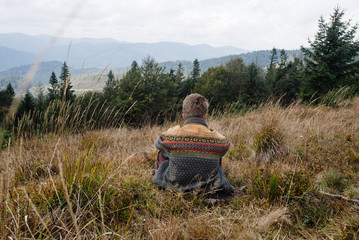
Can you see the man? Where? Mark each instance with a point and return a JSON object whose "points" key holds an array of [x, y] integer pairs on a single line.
{"points": [[189, 156]]}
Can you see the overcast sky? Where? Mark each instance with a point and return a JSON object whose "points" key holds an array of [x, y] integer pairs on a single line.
{"points": [[247, 24]]}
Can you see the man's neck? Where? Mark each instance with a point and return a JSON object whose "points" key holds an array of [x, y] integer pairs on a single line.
{"points": [[196, 120]]}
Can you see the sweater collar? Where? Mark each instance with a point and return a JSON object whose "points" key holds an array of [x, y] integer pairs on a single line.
{"points": [[196, 120]]}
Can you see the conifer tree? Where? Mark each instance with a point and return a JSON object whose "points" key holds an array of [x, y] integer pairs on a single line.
{"points": [[187, 86], [111, 82], [288, 81], [179, 74], [6, 97], [330, 61], [273, 58], [254, 90], [110, 89], [10, 91], [54, 89], [27, 104], [283, 58], [143, 93], [41, 99], [65, 85], [271, 74], [196, 71]]}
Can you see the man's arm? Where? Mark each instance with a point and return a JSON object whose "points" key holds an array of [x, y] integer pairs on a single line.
{"points": [[160, 159]]}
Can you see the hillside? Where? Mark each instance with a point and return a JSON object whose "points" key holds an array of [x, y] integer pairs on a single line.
{"points": [[10, 56], [98, 53], [261, 58], [87, 77], [98, 184]]}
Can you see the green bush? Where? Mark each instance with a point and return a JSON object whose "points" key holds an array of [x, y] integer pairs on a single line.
{"points": [[6, 137]]}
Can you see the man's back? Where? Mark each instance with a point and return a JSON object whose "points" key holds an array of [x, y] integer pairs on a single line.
{"points": [[194, 153]]}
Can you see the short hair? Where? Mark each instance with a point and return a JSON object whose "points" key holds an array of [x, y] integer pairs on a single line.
{"points": [[195, 105]]}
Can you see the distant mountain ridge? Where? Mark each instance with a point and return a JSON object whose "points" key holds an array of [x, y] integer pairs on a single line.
{"points": [[16, 75], [99, 53], [9, 56], [18, 51], [88, 77], [261, 58]]}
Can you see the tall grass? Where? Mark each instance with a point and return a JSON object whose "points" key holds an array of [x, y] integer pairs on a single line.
{"points": [[96, 184], [64, 117], [339, 97]]}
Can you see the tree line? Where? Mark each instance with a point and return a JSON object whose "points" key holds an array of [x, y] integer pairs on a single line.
{"points": [[147, 94]]}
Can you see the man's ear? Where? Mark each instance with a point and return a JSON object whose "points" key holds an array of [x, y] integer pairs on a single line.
{"points": [[183, 117], [205, 116]]}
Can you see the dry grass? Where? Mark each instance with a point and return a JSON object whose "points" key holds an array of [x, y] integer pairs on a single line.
{"points": [[98, 184]]}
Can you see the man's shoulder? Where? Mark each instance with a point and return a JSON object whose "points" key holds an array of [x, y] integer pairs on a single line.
{"points": [[172, 131], [194, 130], [217, 134]]}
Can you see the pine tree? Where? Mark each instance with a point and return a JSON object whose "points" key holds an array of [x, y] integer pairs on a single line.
{"points": [[143, 93], [179, 74], [273, 58], [54, 90], [283, 58], [6, 97], [272, 70], [41, 99], [288, 81], [9, 95], [27, 104], [65, 85], [254, 90], [10, 90], [330, 61], [172, 75], [111, 82], [238, 72], [187, 86], [110, 89], [196, 71]]}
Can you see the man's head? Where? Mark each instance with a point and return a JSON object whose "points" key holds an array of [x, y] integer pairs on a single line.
{"points": [[195, 105]]}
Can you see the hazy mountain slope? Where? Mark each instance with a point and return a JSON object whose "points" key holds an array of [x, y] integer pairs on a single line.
{"points": [[16, 75], [122, 54], [90, 75], [22, 42], [9, 56], [101, 52], [262, 58]]}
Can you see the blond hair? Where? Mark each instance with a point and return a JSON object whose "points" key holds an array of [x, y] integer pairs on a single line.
{"points": [[195, 105]]}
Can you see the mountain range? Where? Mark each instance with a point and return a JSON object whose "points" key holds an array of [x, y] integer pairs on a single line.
{"points": [[87, 57], [99, 53]]}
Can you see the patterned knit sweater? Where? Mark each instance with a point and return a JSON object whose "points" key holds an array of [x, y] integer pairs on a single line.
{"points": [[194, 152]]}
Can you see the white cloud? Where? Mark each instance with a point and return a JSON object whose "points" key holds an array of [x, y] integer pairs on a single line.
{"points": [[250, 24]]}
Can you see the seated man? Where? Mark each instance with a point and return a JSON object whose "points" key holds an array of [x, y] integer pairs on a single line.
{"points": [[190, 155]]}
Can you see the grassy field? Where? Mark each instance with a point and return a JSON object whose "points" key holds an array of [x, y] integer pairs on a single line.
{"points": [[97, 185]]}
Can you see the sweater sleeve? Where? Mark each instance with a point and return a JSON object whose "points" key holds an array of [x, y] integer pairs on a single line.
{"points": [[160, 146]]}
